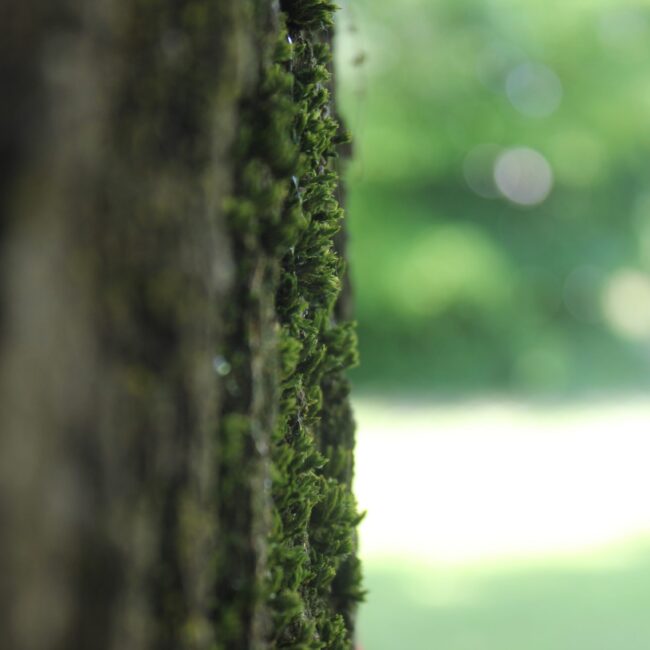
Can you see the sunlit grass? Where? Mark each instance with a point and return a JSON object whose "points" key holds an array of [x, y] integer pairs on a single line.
{"points": [[496, 525], [551, 604], [484, 479]]}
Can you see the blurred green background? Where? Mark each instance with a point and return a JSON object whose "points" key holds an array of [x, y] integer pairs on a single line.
{"points": [[499, 213], [535, 282]]}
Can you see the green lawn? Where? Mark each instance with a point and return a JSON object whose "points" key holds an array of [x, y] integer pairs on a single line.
{"points": [[504, 525], [547, 605]]}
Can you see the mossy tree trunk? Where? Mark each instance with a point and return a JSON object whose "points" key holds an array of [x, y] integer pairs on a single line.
{"points": [[176, 444]]}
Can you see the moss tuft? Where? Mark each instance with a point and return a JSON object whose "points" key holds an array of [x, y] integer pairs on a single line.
{"points": [[284, 216], [313, 562]]}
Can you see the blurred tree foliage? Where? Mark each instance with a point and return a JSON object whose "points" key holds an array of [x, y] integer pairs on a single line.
{"points": [[460, 288]]}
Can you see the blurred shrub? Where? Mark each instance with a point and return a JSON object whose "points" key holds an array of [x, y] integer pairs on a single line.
{"points": [[469, 279]]}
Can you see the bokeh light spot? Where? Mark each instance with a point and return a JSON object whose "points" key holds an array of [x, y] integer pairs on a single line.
{"points": [[477, 170], [523, 175], [626, 304], [534, 89]]}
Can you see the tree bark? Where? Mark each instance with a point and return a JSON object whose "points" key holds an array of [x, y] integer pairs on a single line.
{"points": [[176, 448]]}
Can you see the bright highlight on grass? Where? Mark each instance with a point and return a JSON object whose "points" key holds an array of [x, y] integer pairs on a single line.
{"points": [[495, 481]]}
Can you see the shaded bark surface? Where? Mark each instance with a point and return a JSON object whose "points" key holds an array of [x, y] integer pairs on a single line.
{"points": [[139, 359]]}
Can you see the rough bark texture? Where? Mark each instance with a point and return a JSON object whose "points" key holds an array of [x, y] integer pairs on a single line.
{"points": [[176, 444]]}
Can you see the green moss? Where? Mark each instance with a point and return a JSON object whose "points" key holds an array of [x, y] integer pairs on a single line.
{"points": [[309, 14], [284, 214], [313, 563]]}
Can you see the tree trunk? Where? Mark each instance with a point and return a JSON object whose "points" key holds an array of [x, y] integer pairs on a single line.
{"points": [[176, 448]]}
